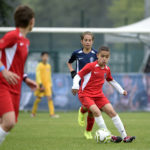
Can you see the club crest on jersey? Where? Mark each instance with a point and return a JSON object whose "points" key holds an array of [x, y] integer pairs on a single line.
{"points": [[91, 59], [105, 75]]}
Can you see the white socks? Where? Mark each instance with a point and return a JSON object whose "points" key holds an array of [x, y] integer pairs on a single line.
{"points": [[119, 125], [2, 135], [100, 122]]}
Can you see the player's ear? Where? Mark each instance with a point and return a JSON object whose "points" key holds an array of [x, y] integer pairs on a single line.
{"points": [[32, 22]]}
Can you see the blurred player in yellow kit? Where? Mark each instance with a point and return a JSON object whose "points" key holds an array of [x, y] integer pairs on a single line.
{"points": [[44, 80]]}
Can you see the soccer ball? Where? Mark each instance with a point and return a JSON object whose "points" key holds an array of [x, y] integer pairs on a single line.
{"points": [[103, 136]]}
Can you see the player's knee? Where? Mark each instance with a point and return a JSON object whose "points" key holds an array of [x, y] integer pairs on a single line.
{"points": [[96, 113], [8, 125], [111, 113], [50, 100], [38, 100]]}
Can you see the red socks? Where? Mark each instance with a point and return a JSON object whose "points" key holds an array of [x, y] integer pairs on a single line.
{"points": [[90, 122], [83, 111], [90, 119]]}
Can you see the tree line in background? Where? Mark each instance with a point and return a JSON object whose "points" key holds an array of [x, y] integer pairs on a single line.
{"points": [[79, 13]]}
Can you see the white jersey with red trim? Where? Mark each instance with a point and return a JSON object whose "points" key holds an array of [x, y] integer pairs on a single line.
{"points": [[13, 54], [92, 79]]}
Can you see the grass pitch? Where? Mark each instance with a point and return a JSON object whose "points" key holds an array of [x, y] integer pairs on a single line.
{"points": [[44, 133]]}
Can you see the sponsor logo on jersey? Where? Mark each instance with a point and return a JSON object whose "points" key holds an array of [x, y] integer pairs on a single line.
{"points": [[21, 44], [96, 72], [80, 58]]}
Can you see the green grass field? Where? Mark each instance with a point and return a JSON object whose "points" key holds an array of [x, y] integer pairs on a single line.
{"points": [[44, 133]]}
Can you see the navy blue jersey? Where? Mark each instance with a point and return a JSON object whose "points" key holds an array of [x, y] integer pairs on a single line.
{"points": [[82, 58]]}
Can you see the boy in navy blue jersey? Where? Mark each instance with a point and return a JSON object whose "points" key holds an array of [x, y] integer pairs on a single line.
{"points": [[82, 57]]}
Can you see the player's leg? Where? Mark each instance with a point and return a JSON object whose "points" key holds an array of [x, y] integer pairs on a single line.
{"points": [[35, 106], [48, 93], [7, 113], [8, 122], [51, 107], [81, 115], [98, 116], [117, 122], [90, 123], [90, 104]]}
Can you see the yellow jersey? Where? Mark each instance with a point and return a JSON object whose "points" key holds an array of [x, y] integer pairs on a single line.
{"points": [[43, 74]]}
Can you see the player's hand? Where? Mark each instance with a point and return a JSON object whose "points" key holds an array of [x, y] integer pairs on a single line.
{"points": [[74, 91], [73, 73], [42, 88], [125, 93], [32, 84], [10, 77]]}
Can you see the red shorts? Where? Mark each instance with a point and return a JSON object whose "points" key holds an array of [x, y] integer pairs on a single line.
{"points": [[9, 102], [89, 101]]}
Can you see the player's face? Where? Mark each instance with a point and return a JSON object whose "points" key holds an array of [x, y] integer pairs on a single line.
{"points": [[87, 42], [45, 58], [103, 57]]}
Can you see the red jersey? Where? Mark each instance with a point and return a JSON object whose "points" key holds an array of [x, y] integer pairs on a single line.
{"points": [[13, 54], [92, 80]]}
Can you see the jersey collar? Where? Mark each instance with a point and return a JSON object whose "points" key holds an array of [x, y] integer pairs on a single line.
{"points": [[89, 52], [97, 65]]}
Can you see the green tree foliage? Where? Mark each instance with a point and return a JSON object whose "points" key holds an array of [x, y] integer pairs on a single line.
{"points": [[70, 13], [6, 10], [123, 12]]}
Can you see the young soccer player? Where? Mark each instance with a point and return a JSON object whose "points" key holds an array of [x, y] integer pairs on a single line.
{"points": [[43, 79], [90, 92], [83, 56], [13, 53]]}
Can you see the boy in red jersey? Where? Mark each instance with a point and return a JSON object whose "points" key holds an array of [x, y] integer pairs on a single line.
{"points": [[13, 53], [90, 92]]}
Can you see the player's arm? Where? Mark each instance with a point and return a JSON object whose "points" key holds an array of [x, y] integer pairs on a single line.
{"points": [[115, 84], [69, 64], [31, 83], [76, 80], [9, 76], [8, 41], [76, 85], [118, 87]]}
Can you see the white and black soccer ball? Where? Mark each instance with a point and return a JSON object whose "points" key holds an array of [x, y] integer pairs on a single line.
{"points": [[103, 136]]}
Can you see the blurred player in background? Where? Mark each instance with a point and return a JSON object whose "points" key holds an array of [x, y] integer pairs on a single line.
{"points": [[13, 53], [44, 80], [90, 92], [83, 56]]}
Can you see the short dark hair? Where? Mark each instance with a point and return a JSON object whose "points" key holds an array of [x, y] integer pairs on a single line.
{"points": [[45, 52], [87, 33], [104, 48], [23, 15]]}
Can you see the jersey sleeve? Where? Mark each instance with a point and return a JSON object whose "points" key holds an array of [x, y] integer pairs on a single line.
{"points": [[50, 76], [85, 70], [72, 58], [109, 76], [38, 74], [8, 40]]}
